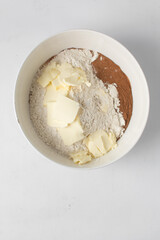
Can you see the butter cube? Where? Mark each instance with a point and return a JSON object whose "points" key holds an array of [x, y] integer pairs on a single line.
{"points": [[50, 95], [63, 109], [45, 78], [99, 142], [81, 73], [72, 80], [54, 123], [72, 133], [57, 82], [66, 70], [93, 149], [62, 90], [54, 73], [109, 141], [96, 137], [81, 157], [48, 74]]}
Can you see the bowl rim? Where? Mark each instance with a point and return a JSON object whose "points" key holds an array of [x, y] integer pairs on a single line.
{"points": [[144, 120]]}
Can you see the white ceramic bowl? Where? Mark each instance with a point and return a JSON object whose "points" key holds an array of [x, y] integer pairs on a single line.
{"points": [[110, 48]]}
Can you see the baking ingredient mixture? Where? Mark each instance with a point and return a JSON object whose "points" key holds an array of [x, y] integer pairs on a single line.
{"points": [[74, 111]]}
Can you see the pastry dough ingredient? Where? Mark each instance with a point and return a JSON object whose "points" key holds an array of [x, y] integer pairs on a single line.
{"points": [[63, 109], [81, 157], [72, 133], [100, 142]]}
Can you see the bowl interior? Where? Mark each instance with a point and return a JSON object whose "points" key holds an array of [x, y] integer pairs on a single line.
{"points": [[110, 48]]}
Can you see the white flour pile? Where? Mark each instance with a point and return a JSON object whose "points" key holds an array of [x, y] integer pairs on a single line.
{"points": [[91, 99]]}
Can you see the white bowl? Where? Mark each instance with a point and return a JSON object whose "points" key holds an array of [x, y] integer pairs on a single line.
{"points": [[110, 48]]}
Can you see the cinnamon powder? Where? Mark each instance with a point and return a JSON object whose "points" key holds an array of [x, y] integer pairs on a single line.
{"points": [[109, 73]]}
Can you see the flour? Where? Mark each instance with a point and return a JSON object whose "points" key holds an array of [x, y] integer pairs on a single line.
{"points": [[92, 117], [91, 99]]}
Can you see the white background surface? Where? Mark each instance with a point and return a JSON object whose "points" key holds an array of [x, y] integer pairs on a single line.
{"points": [[42, 200]]}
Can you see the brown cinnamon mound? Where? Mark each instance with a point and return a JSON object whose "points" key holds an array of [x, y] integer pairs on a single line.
{"points": [[109, 72]]}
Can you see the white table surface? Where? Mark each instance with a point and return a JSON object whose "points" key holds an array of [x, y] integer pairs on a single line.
{"points": [[42, 200]]}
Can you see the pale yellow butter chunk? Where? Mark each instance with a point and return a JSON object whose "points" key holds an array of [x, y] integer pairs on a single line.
{"points": [[66, 70], [82, 77], [54, 72], [81, 73], [93, 149], [99, 142], [58, 82], [109, 141], [54, 123], [96, 138], [75, 79], [81, 157], [72, 133], [63, 90], [50, 95], [48, 74], [63, 109], [72, 76], [44, 79], [72, 80]]}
